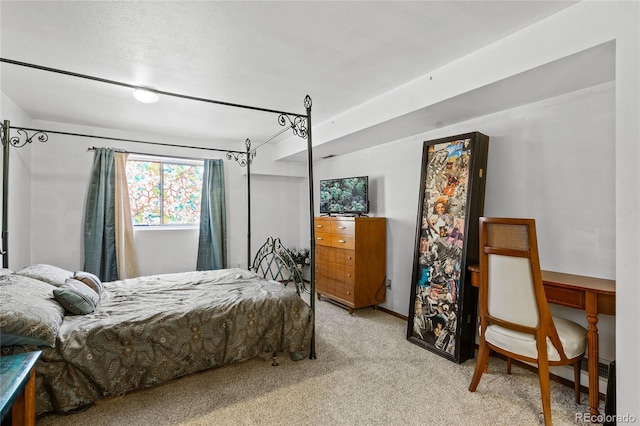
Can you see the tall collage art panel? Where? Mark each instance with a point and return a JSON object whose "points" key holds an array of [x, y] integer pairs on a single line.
{"points": [[442, 312]]}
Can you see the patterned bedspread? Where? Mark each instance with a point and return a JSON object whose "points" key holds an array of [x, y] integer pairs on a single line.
{"points": [[149, 330]]}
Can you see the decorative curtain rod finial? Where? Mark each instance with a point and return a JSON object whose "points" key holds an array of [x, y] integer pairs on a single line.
{"points": [[23, 137], [298, 124], [243, 158]]}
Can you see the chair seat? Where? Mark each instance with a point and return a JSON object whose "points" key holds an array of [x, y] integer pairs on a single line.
{"points": [[572, 335]]}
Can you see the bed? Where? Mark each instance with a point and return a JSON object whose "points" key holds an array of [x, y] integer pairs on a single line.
{"points": [[133, 334], [148, 330]]}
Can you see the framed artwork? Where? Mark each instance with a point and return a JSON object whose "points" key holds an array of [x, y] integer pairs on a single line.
{"points": [[442, 310]]}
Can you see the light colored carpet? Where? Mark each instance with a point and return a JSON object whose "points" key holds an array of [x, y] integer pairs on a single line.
{"points": [[366, 373]]}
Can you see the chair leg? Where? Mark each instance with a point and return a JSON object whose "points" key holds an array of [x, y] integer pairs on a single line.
{"points": [[481, 365], [486, 367], [576, 380], [545, 388]]}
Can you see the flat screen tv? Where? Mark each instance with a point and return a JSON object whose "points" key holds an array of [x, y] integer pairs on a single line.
{"points": [[344, 195]]}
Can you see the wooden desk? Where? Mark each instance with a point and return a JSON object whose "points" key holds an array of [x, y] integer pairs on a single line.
{"points": [[18, 387], [592, 295]]}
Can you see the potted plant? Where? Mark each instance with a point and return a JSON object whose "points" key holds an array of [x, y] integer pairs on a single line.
{"points": [[301, 256]]}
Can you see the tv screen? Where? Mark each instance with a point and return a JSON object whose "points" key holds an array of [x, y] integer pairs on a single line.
{"points": [[345, 195]]}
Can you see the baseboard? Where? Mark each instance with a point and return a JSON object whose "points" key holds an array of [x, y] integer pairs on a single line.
{"points": [[395, 314]]}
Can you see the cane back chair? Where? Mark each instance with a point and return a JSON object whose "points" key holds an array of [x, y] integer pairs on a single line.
{"points": [[514, 315]]}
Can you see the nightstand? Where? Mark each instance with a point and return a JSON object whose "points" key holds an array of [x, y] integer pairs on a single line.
{"points": [[18, 387]]}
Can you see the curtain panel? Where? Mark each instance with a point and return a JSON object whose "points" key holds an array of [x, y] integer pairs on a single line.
{"points": [[212, 240], [109, 250], [99, 221], [126, 256]]}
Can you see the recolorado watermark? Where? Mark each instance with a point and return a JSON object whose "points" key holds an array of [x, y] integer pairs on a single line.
{"points": [[604, 418]]}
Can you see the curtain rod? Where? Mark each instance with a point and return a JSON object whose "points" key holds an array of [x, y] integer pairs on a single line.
{"points": [[181, 157], [273, 137], [133, 86], [127, 140]]}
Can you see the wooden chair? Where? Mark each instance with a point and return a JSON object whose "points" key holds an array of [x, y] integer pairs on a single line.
{"points": [[514, 315]]}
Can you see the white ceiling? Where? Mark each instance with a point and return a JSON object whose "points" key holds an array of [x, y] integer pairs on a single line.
{"points": [[259, 53]]}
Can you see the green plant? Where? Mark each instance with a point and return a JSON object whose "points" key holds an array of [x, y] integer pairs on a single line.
{"points": [[300, 256]]}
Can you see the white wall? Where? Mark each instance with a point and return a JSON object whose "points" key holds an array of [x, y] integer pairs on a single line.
{"points": [[19, 212], [162, 251], [275, 206]]}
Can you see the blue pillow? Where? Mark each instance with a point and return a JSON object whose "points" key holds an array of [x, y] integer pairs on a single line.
{"points": [[76, 297]]}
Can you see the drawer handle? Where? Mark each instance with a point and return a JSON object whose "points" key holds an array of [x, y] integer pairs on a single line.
{"points": [[349, 257], [319, 226], [348, 275], [319, 238], [348, 292], [341, 241], [342, 227]]}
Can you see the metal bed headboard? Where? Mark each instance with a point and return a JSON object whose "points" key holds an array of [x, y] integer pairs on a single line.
{"points": [[274, 262]]}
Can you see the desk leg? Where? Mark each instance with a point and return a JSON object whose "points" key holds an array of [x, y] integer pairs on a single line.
{"points": [[23, 411], [592, 338]]}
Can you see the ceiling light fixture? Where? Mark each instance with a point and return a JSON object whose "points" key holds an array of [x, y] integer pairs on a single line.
{"points": [[146, 96]]}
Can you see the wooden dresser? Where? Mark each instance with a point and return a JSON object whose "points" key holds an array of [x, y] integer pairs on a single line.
{"points": [[350, 260]]}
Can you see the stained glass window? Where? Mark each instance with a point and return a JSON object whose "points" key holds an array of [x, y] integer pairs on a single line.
{"points": [[164, 192]]}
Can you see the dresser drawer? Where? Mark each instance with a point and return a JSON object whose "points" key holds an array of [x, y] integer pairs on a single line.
{"points": [[345, 257], [338, 289], [326, 280], [343, 227], [325, 253], [324, 268], [323, 238], [343, 241], [323, 224], [565, 296], [349, 275], [349, 293], [321, 284]]}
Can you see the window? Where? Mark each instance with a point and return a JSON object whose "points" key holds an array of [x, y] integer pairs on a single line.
{"points": [[164, 192]]}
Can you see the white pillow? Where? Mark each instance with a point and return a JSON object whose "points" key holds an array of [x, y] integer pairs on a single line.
{"points": [[48, 273]]}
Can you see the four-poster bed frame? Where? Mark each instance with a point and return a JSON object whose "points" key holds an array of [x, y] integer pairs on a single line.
{"points": [[300, 124]]}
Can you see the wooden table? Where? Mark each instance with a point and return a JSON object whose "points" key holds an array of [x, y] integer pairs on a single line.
{"points": [[592, 295], [18, 387]]}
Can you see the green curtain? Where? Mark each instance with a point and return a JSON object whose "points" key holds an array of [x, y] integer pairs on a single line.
{"points": [[212, 241], [99, 219]]}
